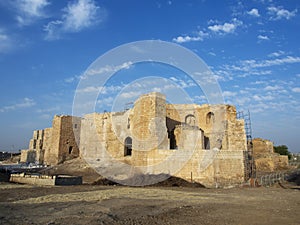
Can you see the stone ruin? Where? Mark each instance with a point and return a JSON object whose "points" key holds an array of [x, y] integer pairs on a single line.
{"points": [[266, 160], [209, 142]]}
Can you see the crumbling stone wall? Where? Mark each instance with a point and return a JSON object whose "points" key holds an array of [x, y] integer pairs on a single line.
{"points": [[28, 156], [61, 139], [262, 147], [266, 160], [56, 144], [49, 155], [221, 128], [150, 124]]}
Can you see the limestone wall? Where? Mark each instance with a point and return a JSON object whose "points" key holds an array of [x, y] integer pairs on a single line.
{"points": [[225, 168], [28, 156], [265, 158], [153, 133], [148, 122], [272, 163], [69, 130], [59, 141], [262, 147], [49, 155], [218, 122], [98, 137]]}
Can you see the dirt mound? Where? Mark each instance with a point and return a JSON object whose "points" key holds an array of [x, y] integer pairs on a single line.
{"points": [[104, 181], [169, 182], [178, 182], [78, 167], [74, 167]]}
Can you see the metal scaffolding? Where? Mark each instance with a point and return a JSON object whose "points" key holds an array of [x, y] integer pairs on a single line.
{"points": [[250, 171]]}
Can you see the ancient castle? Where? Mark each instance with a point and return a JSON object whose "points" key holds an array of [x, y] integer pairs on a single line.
{"points": [[202, 143]]}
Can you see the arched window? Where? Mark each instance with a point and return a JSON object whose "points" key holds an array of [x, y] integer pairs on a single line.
{"points": [[210, 118], [190, 120], [128, 146]]}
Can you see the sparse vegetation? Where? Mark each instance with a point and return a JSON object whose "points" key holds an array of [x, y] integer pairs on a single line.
{"points": [[282, 150]]}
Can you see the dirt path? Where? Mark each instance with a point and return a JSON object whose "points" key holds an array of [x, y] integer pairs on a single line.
{"points": [[87, 204]]}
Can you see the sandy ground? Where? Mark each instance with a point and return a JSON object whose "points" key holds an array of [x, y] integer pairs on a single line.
{"points": [[94, 204]]}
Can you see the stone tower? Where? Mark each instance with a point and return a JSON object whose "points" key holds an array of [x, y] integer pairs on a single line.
{"points": [[148, 123]]}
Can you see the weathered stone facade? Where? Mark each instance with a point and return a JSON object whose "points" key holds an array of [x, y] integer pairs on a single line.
{"points": [[206, 143], [266, 160], [209, 141], [56, 144]]}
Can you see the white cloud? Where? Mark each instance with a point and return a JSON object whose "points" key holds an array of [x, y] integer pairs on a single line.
{"points": [[296, 89], [80, 15], [229, 94], [278, 13], [107, 69], [130, 94], [182, 39], [253, 12], [249, 65], [263, 37], [30, 10], [199, 37], [47, 110], [261, 72], [6, 42], [276, 54], [216, 28], [104, 89], [226, 27], [276, 62], [262, 97], [187, 83], [53, 33], [77, 16], [272, 88], [25, 103]]}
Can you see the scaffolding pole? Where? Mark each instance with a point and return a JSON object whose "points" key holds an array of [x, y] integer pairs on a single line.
{"points": [[250, 170]]}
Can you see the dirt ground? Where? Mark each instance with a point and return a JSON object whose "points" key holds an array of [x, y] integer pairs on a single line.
{"points": [[95, 204]]}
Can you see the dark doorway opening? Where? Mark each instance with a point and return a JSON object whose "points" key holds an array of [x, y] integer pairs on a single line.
{"points": [[128, 146], [173, 144], [70, 149], [206, 143]]}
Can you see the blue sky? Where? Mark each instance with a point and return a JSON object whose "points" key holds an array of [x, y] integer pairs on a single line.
{"points": [[252, 47]]}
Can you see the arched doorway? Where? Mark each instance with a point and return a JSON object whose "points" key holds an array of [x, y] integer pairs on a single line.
{"points": [[128, 146]]}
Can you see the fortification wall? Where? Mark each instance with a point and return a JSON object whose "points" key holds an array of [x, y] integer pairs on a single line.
{"points": [[47, 146], [262, 147], [68, 134], [148, 122], [28, 156], [265, 158]]}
